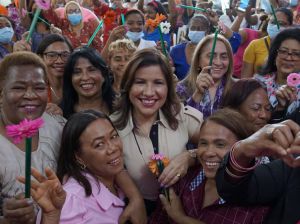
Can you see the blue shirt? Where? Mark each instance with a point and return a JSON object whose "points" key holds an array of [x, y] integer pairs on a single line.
{"points": [[156, 37], [178, 56]]}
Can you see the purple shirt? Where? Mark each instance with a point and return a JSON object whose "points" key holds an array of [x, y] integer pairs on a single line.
{"points": [[102, 207], [206, 105]]}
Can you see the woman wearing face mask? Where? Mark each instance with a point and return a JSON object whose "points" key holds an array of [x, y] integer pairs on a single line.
{"points": [[133, 30], [181, 54], [6, 35], [73, 26], [257, 51], [195, 199], [152, 9], [203, 88], [135, 23]]}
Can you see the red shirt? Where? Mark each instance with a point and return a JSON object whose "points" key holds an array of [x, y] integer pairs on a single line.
{"points": [[85, 33], [190, 189], [108, 27]]}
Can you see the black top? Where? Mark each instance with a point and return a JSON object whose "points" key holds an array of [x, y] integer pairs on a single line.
{"points": [[275, 184]]}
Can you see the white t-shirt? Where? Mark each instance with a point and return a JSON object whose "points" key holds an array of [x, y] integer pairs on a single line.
{"points": [[12, 159]]}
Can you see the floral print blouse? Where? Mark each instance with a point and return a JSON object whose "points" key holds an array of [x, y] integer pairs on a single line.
{"points": [[269, 81], [76, 40], [206, 106]]}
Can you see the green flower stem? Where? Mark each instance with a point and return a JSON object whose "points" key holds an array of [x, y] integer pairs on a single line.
{"points": [[123, 19], [27, 167], [33, 23], [162, 41], [275, 17], [213, 48], [95, 33], [193, 8]]}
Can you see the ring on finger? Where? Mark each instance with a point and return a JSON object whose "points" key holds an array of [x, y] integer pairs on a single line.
{"points": [[178, 175]]}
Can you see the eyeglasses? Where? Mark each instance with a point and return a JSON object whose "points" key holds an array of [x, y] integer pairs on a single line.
{"points": [[72, 11], [53, 56], [283, 54]]}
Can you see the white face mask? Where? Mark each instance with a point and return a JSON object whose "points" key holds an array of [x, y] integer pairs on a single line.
{"points": [[134, 36], [273, 30], [196, 36]]}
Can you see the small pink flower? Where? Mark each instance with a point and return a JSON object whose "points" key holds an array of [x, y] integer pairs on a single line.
{"points": [[43, 4], [26, 129], [293, 79], [157, 157]]}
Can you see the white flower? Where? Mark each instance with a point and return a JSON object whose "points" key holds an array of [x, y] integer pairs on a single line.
{"points": [[165, 27]]}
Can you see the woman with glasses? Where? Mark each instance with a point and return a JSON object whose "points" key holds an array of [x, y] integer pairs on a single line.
{"points": [[55, 51], [258, 50], [284, 58], [6, 35]]}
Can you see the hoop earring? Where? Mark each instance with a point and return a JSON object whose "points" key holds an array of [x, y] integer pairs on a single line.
{"points": [[81, 164]]}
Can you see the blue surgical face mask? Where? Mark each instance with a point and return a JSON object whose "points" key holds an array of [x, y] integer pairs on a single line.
{"points": [[196, 36], [134, 36], [75, 18], [272, 30], [6, 35]]}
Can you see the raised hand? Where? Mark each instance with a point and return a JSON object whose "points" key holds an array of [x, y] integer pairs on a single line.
{"points": [[47, 191], [203, 82]]}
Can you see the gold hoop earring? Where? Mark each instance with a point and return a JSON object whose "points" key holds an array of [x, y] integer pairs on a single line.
{"points": [[81, 164]]}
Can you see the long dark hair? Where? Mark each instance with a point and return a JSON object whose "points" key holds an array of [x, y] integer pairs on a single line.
{"points": [[158, 7], [141, 59], [270, 66], [240, 91], [70, 96], [70, 146]]}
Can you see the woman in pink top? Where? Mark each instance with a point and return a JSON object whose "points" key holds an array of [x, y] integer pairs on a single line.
{"points": [[91, 157]]}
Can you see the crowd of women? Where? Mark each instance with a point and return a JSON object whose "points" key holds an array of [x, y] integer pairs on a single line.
{"points": [[199, 124]]}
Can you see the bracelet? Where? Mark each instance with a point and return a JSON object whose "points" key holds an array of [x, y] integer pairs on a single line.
{"points": [[233, 175], [235, 164]]}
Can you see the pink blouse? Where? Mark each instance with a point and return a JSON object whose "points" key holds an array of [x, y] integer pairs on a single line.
{"points": [[101, 207]]}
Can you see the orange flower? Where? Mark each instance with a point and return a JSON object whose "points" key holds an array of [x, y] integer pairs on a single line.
{"points": [[153, 164], [3, 11], [151, 24], [109, 17]]}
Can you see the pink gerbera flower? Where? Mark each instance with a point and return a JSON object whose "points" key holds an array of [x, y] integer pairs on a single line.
{"points": [[293, 79], [26, 129]]}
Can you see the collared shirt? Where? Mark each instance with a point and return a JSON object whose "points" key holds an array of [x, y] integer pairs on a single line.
{"points": [[191, 191], [101, 207], [171, 143]]}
